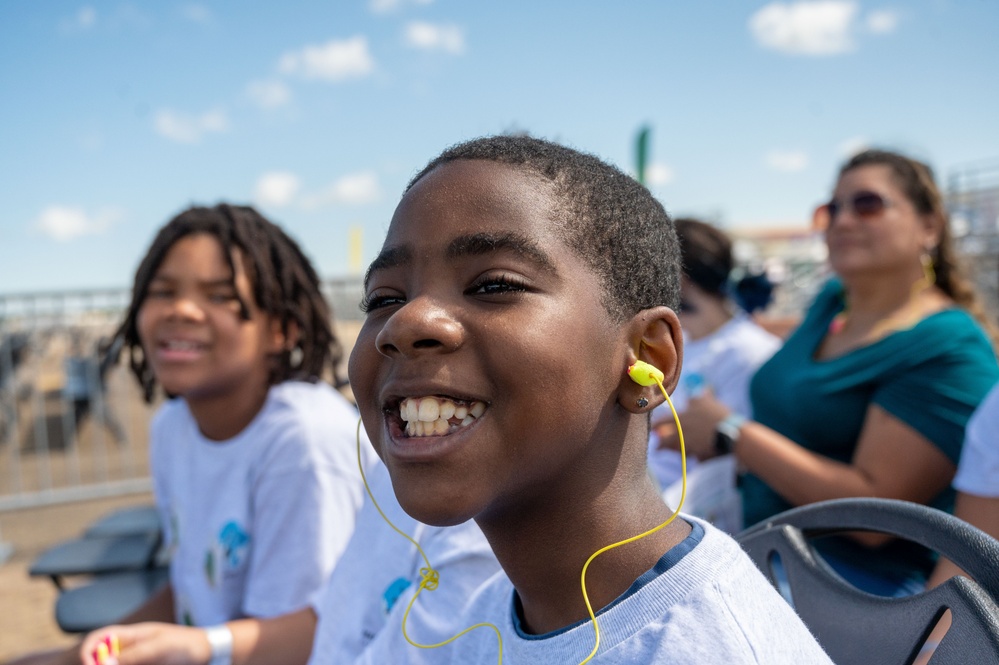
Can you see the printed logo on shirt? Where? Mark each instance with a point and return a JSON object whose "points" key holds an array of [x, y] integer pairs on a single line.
{"points": [[392, 593], [227, 553]]}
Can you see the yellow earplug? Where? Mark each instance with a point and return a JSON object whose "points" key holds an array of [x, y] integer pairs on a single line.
{"points": [[645, 374]]}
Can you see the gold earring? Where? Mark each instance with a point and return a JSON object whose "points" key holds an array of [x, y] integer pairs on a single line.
{"points": [[929, 274]]}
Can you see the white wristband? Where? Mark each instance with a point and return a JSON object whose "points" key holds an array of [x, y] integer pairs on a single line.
{"points": [[220, 640]]}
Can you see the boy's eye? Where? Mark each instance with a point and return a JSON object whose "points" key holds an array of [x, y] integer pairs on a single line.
{"points": [[373, 301], [222, 297], [496, 285]]}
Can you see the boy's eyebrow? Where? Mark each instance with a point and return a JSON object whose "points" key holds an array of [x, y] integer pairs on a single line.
{"points": [[389, 257], [485, 243], [467, 245], [209, 284]]}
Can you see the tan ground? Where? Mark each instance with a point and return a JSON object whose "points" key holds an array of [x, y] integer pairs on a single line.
{"points": [[27, 619]]}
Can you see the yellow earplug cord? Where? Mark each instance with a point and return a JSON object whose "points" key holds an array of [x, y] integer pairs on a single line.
{"points": [[643, 374]]}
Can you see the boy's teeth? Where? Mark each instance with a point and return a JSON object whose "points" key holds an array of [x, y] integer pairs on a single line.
{"points": [[434, 416], [430, 410]]}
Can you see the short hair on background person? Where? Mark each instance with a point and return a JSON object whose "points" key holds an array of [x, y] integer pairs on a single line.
{"points": [[285, 286], [607, 217], [706, 253]]}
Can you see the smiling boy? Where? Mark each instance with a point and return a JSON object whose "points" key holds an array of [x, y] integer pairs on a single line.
{"points": [[518, 281]]}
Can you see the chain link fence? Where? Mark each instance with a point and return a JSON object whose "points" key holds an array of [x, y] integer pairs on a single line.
{"points": [[70, 429]]}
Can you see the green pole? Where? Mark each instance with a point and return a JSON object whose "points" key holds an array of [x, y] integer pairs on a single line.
{"points": [[642, 152]]}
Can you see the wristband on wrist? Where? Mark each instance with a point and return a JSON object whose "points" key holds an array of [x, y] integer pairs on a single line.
{"points": [[220, 640], [727, 433]]}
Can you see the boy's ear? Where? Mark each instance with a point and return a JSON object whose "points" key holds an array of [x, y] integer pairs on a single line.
{"points": [[654, 337], [281, 340]]}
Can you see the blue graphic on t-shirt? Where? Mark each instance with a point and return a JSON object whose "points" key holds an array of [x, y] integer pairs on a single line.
{"points": [[392, 593], [234, 542]]}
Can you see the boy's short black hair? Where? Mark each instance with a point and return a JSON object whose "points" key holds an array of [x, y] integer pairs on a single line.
{"points": [[610, 219], [284, 283]]}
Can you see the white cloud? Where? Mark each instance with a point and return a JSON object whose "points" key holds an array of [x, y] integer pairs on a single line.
{"points": [[86, 17], [852, 146], [64, 223], [657, 174], [276, 189], [431, 37], [186, 128], [388, 6], [83, 20], [820, 27], [882, 22], [197, 13], [787, 161], [355, 189], [268, 94], [332, 61]]}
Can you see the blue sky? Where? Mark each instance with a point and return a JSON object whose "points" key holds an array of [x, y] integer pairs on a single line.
{"points": [[118, 115]]}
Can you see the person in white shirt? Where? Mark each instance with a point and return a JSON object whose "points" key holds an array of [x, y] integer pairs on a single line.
{"points": [[253, 456], [722, 349], [515, 317]]}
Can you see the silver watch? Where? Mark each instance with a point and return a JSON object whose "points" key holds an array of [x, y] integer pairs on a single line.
{"points": [[727, 432]]}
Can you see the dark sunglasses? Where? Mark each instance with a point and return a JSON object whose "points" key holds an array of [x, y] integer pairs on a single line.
{"points": [[863, 204]]}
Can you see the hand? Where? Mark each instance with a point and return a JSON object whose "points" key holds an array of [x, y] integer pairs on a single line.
{"points": [[699, 422], [664, 429], [151, 644]]}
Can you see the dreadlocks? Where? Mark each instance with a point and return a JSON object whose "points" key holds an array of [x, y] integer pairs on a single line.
{"points": [[285, 286]]}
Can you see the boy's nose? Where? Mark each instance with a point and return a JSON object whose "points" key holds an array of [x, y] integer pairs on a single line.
{"points": [[184, 307], [419, 326]]}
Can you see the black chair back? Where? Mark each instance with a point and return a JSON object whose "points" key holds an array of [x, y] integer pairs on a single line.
{"points": [[856, 627]]}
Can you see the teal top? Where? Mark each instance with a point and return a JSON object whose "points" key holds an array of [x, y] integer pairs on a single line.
{"points": [[930, 376]]}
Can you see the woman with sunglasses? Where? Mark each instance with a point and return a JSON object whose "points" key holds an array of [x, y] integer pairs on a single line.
{"points": [[871, 394]]}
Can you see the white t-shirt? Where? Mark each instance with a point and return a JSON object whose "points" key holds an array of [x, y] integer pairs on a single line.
{"points": [[360, 613], [255, 524], [978, 470], [703, 603], [723, 361]]}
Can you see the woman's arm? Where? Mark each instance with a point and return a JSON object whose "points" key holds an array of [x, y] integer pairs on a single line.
{"points": [[891, 460]]}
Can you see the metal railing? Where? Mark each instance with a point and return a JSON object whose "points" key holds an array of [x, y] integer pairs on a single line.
{"points": [[68, 429], [973, 201]]}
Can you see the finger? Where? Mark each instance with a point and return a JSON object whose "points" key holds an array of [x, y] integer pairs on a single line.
{"points": [[666, 429]]}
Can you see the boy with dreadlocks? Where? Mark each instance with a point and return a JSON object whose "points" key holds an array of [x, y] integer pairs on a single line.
{"points": [[254, 457]]}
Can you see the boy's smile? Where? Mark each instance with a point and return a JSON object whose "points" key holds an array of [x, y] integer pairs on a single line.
{"points": [[433, 416], [487, 356]]}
